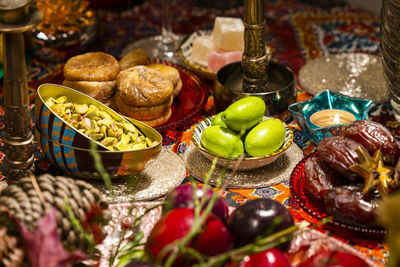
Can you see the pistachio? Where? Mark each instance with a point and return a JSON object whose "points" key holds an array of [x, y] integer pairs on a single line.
{"points": [[114, 126], [81, 109], [58, 109], [118, 133], [99, 125], [106, 122], [108, 141], [96, 136], [93, 111], [87, 124], [129, 127], [69, 106], [61, 100], [67, 114], [140, 145], [73, 123], [103, 130], [149, 142], [125, 139], [132, 136], [96, 126], [110, 132], [119, 124], [76, 117], [105, 115], [122, 146], [50, 102]]}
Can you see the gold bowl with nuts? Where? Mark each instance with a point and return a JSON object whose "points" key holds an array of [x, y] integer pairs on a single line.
{"points": [[69, 124]]}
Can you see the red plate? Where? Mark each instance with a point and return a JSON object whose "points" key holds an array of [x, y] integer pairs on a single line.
{"points": [[190, 102], [317, 209]]}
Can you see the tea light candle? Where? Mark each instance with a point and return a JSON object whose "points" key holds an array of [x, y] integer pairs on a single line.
{"points": [[329, 117]]}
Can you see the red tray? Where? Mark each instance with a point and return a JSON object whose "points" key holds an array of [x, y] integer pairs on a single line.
{"points": [[317, 209], [189, 103]]}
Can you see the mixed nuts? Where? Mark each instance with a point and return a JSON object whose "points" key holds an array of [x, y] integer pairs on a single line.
{"points": [[99, 125]]}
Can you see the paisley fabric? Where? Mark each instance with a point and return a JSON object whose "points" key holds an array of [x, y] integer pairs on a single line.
{"points": [[297, 31]]}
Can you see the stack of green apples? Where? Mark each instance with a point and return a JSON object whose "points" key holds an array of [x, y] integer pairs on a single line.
{"points": [[242, 128]]}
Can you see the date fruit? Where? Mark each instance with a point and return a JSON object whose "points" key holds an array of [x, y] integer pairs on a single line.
{"points": [[374, 136], [339, 153], [319, 178], [349, 206]]}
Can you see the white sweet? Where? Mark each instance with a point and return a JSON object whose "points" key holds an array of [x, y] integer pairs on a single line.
{"points": [[228, 33], [202, 46]]}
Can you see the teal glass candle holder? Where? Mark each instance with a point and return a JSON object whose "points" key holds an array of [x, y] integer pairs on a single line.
{"points": [[356, 108]]}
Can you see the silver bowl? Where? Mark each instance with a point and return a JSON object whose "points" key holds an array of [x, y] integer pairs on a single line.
{"points": [[281, 81], [248, 162]]}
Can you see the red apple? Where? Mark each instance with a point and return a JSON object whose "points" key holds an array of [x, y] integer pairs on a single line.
{"points": [[213, 239], [182, 197], [328, 258], [269, 258]]}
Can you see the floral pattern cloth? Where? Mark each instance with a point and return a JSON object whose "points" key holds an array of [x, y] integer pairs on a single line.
{"points": [[297, 31]]}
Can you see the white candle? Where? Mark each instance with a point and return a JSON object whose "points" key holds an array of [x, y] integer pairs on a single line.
{"points": [[329, 117]]}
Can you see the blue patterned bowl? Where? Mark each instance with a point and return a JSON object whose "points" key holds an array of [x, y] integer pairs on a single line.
{"points": [[69, 149], [327, 99]]}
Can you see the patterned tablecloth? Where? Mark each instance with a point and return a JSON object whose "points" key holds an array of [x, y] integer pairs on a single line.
{"points": [[297, 31]]}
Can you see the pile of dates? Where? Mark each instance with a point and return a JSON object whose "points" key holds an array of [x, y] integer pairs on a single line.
{"points": [[353, 172]]}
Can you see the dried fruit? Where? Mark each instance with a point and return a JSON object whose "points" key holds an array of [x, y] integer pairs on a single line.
{"points": [[374, 136], [319, 178], [349, 205], [339, 153]]}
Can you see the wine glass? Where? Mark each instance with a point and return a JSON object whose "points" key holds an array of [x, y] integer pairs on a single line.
{"points": [[164, 46]]}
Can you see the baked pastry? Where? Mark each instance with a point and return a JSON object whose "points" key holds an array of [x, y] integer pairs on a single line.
{"points": [[97, 90], [93, 74], [171, 74], [160, 120], [133, 58], [92, 66], [143, 86], [144, 94], [144, 112]]}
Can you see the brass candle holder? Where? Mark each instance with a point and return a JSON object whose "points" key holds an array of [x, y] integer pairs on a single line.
{"points": [[15, 18], [254, 59], [256, 75]]}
